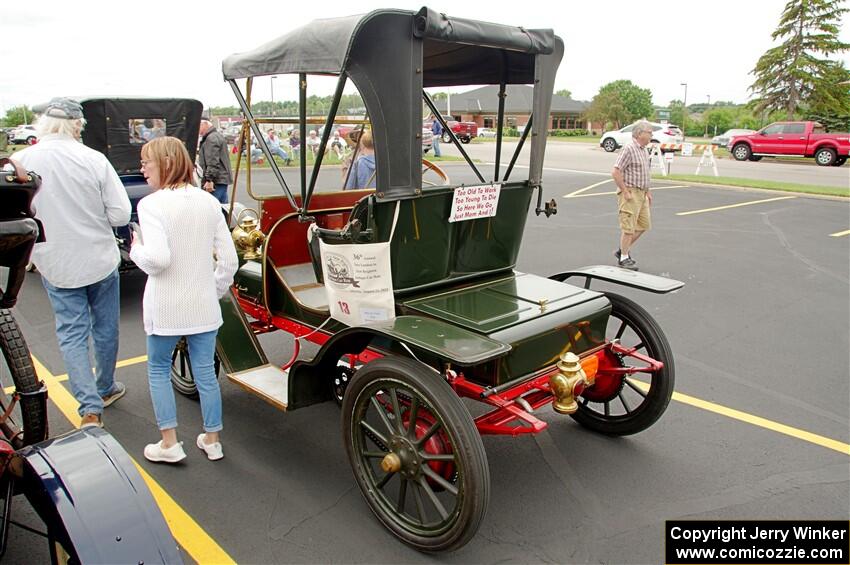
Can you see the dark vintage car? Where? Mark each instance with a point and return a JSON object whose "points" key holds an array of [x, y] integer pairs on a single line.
{"points": [[119, 127], [95, 505]]}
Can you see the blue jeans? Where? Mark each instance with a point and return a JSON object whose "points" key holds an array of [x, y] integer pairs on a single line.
{"points": [[88, 311], [201, 354], [436, 145], [220, 192], [280, 153]]}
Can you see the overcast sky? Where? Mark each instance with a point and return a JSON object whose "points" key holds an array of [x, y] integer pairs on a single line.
{"points": [[174, 48]]}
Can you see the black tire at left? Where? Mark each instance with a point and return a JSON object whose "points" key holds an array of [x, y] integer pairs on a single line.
{"points": [[437, 500], [182, 378], [30, 415]]}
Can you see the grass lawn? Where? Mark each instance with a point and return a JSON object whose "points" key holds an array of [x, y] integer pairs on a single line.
{"points": [[764, 184]]}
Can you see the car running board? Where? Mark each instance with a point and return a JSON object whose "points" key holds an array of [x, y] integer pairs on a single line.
{"points": [[243, 359], [269, 382]]}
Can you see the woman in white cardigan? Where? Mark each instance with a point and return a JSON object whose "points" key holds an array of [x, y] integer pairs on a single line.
{"points": [[186, 250]]}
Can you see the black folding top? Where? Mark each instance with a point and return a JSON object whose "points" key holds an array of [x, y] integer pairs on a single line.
{"points": [[108, 126]]}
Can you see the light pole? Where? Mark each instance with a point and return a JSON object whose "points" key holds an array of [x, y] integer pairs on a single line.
{"points": [[272, 83], [684, 109]]}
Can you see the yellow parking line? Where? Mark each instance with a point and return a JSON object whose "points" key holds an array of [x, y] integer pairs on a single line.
{"points": [[816, 439], [125, 363], [840, 233], [131, 361], [585, 189], [197, 543], [655, 188], [734, 205]]}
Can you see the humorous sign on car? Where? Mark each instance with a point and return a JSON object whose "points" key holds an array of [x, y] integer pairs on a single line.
{"points": [[470, 202]]}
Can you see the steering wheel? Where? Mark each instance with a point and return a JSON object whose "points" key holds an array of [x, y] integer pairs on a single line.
{"points": [[437, 170]]}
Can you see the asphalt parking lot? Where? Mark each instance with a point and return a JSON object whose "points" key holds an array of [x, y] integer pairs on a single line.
{"points": [[758, 428]]}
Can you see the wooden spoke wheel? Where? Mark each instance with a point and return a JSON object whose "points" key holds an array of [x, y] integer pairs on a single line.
{"points": [[431, 170], [623, 405], [182, 378], [416, 454]]}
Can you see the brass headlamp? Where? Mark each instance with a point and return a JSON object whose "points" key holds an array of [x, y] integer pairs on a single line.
{"points": [[564, 383], [247, 235]]}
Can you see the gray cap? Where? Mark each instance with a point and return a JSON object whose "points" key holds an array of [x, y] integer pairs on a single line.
{"points": [[63, 108]]}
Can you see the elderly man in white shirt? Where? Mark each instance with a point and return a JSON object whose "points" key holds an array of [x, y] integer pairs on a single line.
{"points": [[80, 200]]}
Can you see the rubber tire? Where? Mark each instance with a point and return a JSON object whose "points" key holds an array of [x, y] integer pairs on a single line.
{"points": [[183, 381], [446, 137], [466, 442], [661, 388], [839, 161], [17, 357], [609, 144], [826, 156], [31, 140], [465, 140], [742, 152]]}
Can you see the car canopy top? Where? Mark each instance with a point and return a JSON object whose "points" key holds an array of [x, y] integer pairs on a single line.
{"points": [[391, 55], [108, 125]]}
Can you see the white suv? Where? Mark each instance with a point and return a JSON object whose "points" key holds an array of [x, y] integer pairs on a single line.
{"points": [[23, 134], [661, 133]]}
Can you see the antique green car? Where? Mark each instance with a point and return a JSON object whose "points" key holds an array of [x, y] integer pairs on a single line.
{"points": [[409, 288]]}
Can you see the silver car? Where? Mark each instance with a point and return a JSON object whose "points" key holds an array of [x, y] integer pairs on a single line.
{"points": [[722, 140]]}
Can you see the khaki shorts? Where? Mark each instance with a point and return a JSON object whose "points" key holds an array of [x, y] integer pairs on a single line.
{"points": [[634, 214]]}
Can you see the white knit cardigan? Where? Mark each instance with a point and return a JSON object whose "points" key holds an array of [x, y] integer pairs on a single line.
{"points": [[189, 257]]}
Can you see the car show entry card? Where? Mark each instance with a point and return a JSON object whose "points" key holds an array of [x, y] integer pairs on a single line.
{"points": [[478, 201], [358, 282]]}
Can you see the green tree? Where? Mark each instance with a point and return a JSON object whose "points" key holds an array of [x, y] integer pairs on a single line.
{"points": [[830, 104], [719, 119], [790, 73], [636, 101], [565, 93], [18, 115], [608, 109]]}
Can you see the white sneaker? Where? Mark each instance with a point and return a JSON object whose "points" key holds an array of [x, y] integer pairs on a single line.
{"points": [[158, 454], [213, 450]]}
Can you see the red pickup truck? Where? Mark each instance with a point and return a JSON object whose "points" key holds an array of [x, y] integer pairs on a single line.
{"points": [[464, 131], [797, 139]]}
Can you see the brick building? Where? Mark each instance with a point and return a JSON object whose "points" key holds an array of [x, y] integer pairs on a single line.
{"points": [[482, 106]]}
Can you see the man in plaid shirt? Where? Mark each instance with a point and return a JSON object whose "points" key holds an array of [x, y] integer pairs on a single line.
{"points": [[631, 173]]}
